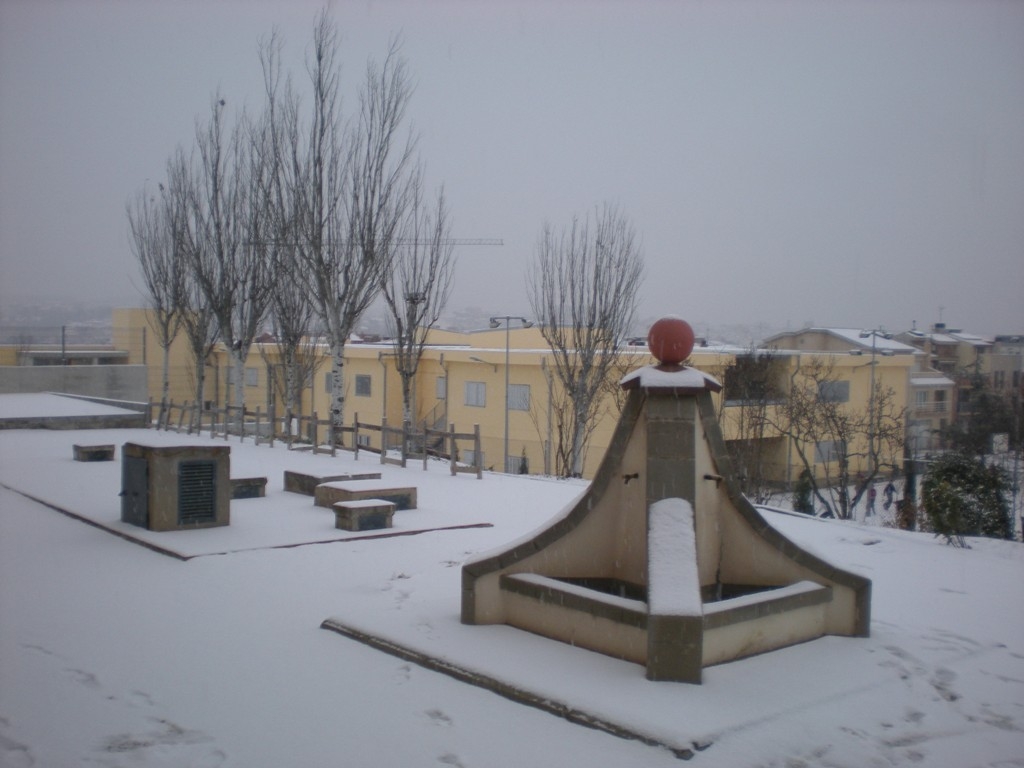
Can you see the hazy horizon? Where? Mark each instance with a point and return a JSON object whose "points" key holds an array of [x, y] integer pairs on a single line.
{"points": [[845, 164]]}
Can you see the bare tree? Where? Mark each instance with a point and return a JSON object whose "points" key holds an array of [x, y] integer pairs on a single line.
{"points": [[827, 432], [351, 189], [582, 287], [163, 273], [229, 253], [418, 286], [752, 387], [291, 309], [197, 317]]}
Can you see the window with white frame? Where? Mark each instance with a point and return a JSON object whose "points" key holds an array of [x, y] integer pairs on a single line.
{"points": [[363, 385], [476, 394], [252, 377], [441, 387], [519, 397]]}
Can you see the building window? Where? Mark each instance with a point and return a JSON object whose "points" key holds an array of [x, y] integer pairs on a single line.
{"points": [[517, 465], [922, 399], [828, 451], [252, 377], [362, 385], [476, 394], [441, 387], [519, 397], [834, 391]]}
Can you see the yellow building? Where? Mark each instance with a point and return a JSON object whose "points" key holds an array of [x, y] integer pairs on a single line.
{"points": [[461, 381]]}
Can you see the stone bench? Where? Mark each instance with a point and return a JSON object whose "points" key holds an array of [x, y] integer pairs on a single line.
{"points": [[327, 494], [363, 514], [93, 452], [248, 487], [305, 483]]}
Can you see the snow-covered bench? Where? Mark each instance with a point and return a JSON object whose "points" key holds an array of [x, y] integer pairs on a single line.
{"points": [[306, 483], [93, 452], [327, 494], [363, 514], [248, 487]]}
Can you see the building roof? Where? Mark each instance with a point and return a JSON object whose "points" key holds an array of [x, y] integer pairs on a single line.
{"points": [[851, 336], [949, 336]]}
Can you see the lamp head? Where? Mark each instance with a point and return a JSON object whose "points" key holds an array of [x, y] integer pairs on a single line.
{"points": [[495, 322]]}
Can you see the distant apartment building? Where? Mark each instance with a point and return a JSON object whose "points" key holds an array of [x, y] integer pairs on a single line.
{"points": [[930, 394], [968, 359], [461, 381]]}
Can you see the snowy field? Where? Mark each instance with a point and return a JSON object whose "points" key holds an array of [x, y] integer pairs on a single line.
{"points": [[112, 654]]}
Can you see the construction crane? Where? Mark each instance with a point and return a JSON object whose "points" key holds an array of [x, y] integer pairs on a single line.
{"points": [[399, 241]]}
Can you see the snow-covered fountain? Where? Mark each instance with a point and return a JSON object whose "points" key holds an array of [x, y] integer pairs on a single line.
{"points": [[663, 561]]}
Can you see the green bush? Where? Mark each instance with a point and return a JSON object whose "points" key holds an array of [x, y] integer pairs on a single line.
{"points": [[963, 497]]}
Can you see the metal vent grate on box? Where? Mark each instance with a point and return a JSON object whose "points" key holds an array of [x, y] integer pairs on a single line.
{"points": [[197, 492]]}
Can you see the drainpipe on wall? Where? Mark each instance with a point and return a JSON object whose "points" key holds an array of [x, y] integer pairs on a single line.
{"points": [[547, 444], [384, 390], [446, 383]]}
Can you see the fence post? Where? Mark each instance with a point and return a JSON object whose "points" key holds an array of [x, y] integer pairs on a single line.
{"points": [[314, 424], [424, 446], [181, 417], [355, 435], [383, 440], [477, 458], [332, 438], [452, 446]]}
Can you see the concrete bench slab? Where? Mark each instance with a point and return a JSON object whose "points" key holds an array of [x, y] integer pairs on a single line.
{"points": [[327, 494], [305, 483], [248, 487], [93, 452], [363, 514]]}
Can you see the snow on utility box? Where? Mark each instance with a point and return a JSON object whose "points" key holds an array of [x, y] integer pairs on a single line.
{"points": [[173, 488]]}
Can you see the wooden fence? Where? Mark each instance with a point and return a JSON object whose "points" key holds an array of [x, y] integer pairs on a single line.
{"points": [[395, 445]]}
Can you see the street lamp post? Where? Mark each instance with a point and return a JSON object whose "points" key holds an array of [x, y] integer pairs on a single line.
{"points": [[496, 323]]}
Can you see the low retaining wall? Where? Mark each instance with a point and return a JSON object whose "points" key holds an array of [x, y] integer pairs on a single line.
{"points": [[114, 382]]}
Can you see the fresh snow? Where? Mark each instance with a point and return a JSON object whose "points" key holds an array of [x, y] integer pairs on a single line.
{"points": [[674, 588], [113, 654], [653, 377], [36, 404]]}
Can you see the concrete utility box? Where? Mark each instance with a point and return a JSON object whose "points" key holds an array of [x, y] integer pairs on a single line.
{"points": [[174, 488]]}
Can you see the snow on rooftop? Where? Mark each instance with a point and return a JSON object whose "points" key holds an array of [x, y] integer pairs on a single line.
{"points": [[880, 343], [113, 654], [38, 404]]}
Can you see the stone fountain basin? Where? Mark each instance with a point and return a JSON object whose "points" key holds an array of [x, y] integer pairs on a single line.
{"points": [[611, 617]]}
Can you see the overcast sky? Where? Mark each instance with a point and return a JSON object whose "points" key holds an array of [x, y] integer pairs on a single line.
{"points": [[853, 164]]}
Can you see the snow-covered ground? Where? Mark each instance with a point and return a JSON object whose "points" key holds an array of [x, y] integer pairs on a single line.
{"points": [[112, 654]]}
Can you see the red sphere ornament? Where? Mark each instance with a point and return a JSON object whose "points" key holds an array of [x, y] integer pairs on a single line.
{"points": [[670, 340]]}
